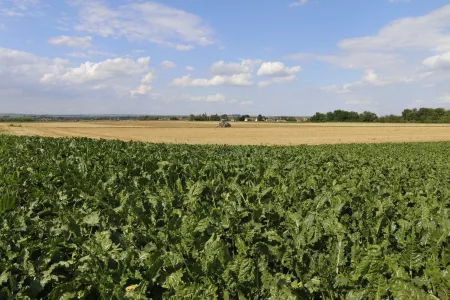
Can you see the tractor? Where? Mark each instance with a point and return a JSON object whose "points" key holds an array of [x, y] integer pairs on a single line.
{"points": [[223, 123]]}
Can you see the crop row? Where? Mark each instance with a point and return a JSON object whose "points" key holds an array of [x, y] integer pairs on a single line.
{"points": [[86, 219]]}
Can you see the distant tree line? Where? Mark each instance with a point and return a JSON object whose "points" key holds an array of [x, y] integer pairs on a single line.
{"points": [[16, 119], [205, 117], [422, 115], [56, 118]]}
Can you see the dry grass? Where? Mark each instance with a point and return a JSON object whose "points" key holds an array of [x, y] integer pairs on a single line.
{"points": [[240, 134]]}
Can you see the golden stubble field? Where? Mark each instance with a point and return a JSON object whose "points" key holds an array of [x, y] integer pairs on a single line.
{"points": [[241, 133]]}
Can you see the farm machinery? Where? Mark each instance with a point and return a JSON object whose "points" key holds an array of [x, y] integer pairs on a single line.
{"points": [[223, 123]]}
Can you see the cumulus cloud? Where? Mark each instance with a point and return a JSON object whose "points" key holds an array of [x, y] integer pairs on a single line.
{"points": [[167, 64], [71, 41], [148, 21], [223, 68], [145, 87], [36, 84], [148, 78], [141, 90], [19, 67], [234, 80], [440, 61], [393, 51], [89, 71], [277, 69], [190, 69]]}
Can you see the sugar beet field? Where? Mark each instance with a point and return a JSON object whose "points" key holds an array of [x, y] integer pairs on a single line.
{"points": [[96, 219]]}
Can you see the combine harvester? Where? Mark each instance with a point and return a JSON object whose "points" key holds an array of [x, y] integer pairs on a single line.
{"points": [[223, 123]]}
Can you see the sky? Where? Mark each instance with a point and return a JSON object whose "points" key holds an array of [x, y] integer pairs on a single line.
{"points": [[270, 57]]}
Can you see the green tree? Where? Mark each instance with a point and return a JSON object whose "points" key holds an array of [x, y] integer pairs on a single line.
{"points": [[368, 116]]}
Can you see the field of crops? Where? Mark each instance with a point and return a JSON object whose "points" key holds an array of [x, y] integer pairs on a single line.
{"points": [[85, 219], [241, 133]]}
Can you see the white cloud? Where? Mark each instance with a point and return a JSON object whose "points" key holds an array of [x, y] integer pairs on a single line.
{"points": [[148, 78], [216, 98], [19, 67], [23, 4], [11, 13], [289, 78], [286, 79], [78, 55], [149, 21], [145, 87], [337, 89], [444, 99], [370, 78], [277, 69], [209, 98], [167, 64], [90, 53], [190, 69], [98, 87], [141, 90], [234, 80], [184, 47], [440, 61], [299, 3], [354, 60], [16, 8], [37, 84], [223, 68], [394, 52], [427, 32], [359, 101], [89, 71], [71, 41], [101, 53], [2, 26], [264, 83]]}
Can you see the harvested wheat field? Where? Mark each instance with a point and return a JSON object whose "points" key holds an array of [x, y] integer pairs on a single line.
{"points": [[240, 134]]}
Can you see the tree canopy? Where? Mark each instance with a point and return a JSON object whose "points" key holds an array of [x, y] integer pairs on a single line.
{"points": [[422, 115]]}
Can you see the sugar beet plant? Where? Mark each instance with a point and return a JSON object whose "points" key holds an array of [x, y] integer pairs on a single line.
{"points": [[86, 219]]}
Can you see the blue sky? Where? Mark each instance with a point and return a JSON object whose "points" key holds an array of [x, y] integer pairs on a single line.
{"points": [[282, 57]]}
